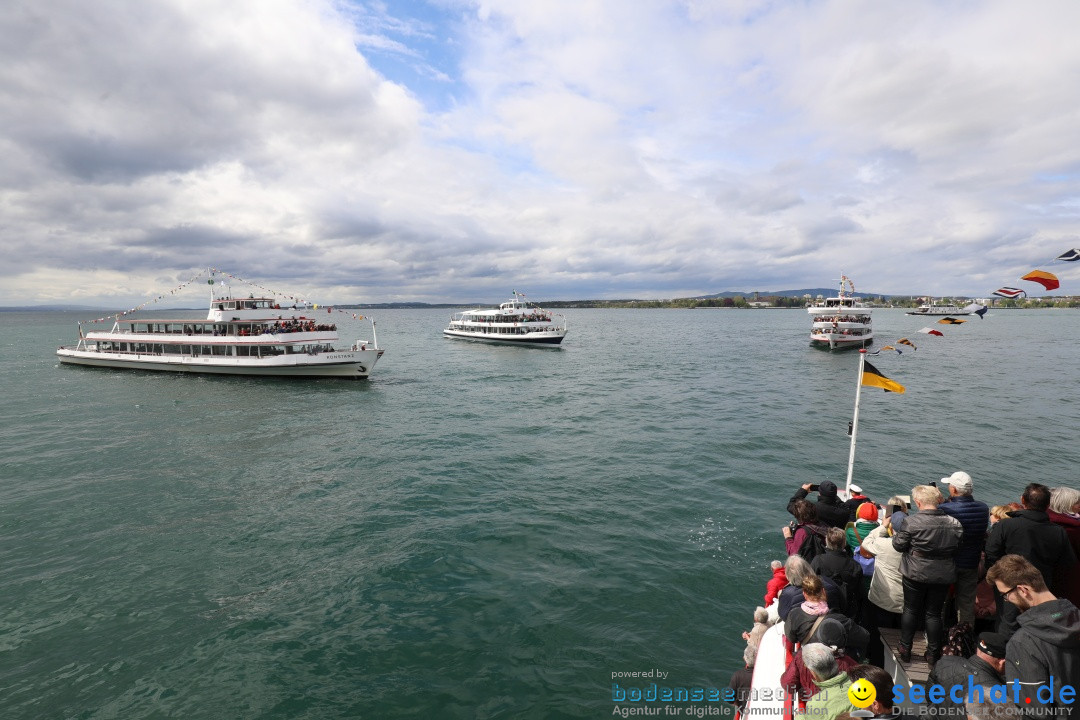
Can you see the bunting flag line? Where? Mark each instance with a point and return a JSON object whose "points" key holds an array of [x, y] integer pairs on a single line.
{"points": [[117, 316], [905, 341], [294, 298], [930, 331], [1047, 280], [950, 321], [872, 377]]}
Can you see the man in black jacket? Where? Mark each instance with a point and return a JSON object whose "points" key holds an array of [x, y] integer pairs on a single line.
{"points": [[830, 510], [857, 498], [985, 667], [1046, 646], [1029, 533]]}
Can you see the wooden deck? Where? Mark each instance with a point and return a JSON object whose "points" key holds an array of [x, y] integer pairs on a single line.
{"points": [[916, 671]]}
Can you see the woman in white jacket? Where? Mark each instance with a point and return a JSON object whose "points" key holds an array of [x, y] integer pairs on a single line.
{"points": [[886, 593]]}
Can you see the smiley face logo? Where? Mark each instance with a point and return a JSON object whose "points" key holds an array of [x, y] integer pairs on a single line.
{"points": [[862, 693]]}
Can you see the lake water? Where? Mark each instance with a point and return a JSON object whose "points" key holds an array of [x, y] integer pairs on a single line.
{"points": [[478, 531]]}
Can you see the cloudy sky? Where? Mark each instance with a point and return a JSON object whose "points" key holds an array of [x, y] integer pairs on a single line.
{"points": [[453, 150]]}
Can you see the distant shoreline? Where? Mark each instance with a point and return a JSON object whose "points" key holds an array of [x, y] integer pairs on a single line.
{"points": [[1035, 304]]}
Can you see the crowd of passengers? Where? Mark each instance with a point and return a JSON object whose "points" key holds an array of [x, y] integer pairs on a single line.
{"points": [[841, 331], [288, 326], [532, 317], [844, 318], [1004, 580]]}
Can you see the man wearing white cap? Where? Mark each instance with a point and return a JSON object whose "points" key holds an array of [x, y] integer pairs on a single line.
{"points": [[974, 516], [855, 499]]}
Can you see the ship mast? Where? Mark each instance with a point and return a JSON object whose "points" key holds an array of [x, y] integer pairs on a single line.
{"points": [[855, 422]]}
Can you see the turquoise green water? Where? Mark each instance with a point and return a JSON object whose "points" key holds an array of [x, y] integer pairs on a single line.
{"points": [[478, 531]]}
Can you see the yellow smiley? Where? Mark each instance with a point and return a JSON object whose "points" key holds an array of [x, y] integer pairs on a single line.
{"points": [[862, 693]]}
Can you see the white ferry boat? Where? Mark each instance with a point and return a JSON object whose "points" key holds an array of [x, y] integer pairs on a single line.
{"points": [[239, 336], [841, 321], [929, 308], [515, 323]]}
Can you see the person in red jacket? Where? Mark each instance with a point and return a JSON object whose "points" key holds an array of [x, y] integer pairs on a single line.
{"points": [[779, 580]]}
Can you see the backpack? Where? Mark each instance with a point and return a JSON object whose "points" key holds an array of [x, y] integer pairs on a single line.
{"points": [[864, 557], [814, 544]]}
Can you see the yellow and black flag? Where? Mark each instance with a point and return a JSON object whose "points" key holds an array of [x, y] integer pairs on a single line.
{"points": [[872, 377], [951, 321]]}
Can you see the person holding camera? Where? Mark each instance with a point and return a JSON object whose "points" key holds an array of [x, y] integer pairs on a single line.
{"points": [[805, 535], [830, 510]]}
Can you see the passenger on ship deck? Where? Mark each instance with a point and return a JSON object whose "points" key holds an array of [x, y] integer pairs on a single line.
{"points": [[866, 519], [928, 541], [1030, 533], [806, 522], [777, 583], [742, 679], [1000, 512], [856, 499], [1064, 511], [885, 599], [974, 517], [804, 619], [832, 698], [797, 679], [797, 570], [837, 564], [985, 667], [1047, 644], [761, 624], [830, 510]]}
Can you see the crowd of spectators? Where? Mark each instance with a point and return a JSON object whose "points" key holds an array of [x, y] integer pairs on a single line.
{"points": [[994, 589]]}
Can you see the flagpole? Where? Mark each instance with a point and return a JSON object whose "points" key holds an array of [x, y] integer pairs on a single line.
{"points": [[855, 423]]}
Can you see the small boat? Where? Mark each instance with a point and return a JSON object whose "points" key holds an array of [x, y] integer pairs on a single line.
{"points": [[239, 336], [841, 321], [515, 322], [929, 308]]}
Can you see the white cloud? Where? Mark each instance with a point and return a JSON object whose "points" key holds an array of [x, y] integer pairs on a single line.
{"points": [[599, 148]]}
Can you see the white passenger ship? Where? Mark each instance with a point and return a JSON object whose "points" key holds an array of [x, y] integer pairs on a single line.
{"points": [[929, 308], [841, 321], [515, 322], [239, 336]]}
